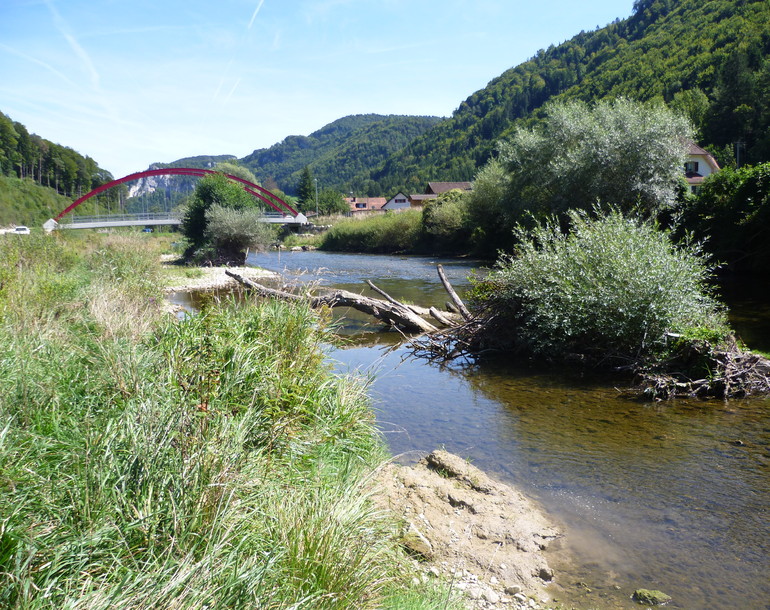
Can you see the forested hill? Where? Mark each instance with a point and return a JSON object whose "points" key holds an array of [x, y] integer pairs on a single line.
{"points": [[26, 155], [38, 178], [341, 154], [707, 57]]}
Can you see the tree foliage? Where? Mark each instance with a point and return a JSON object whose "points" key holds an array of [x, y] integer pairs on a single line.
{"points": [[717, 49], [341, 154], [29, 156], [620, 152], [732, 213], [212, 190], [306, 190]]}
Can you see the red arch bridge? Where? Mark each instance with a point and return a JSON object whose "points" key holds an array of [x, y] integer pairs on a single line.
{"points": [[277, 210]]}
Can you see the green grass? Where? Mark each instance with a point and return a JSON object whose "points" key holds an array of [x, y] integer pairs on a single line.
{"points": [[377, 233], [146, 463]]}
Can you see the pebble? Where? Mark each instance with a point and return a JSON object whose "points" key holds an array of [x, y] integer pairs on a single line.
{"points": [[475, 592], [490, 596]]}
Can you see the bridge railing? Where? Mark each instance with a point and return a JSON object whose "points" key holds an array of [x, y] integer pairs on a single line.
{"points": [[154, 216]]}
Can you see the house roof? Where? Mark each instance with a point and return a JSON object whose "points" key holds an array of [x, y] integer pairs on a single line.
{"points": [[370, 203], [420, 198], [436, 188], [696, 151]]}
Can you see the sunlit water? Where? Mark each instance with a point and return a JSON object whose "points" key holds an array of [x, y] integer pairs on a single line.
{"points": [[672, 496]]}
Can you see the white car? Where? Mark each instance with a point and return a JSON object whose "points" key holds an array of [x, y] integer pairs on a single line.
{"points": [[21, 230]]}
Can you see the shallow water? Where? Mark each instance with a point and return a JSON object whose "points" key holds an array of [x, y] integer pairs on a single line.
{"points": [[672, 496]]}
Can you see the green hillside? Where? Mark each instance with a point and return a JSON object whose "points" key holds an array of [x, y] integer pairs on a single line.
{"points": [[708, 58], [23, 202], [340, 155]]}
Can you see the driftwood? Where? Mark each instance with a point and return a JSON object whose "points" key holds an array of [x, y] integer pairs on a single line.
{"points": [[389, 311], [455, 299]]}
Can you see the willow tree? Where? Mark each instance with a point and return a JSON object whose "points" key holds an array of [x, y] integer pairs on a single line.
{"points": [[621, 152]]}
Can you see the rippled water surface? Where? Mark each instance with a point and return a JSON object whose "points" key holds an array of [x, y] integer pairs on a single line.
{"points": [[672, 496]]}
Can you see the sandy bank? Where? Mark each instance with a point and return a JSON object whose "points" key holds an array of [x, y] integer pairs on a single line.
{"points": [[180, 278], [484, 537]]}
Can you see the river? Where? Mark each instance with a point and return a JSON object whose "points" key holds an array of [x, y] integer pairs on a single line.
{"points": [[660, 495]]}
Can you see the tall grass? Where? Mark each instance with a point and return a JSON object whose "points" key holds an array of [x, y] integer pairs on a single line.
{"points": [[149, 463], [379, 233]]}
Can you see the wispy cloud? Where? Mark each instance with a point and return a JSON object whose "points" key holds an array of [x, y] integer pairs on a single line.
{"points": [[64, 30], [232, 90], [39, 62], [256, 12]]}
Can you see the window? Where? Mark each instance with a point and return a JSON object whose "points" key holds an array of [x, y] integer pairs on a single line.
{"points": [[691, 166]]}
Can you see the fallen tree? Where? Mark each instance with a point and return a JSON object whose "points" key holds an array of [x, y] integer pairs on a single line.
{"points": [[389, 311]]}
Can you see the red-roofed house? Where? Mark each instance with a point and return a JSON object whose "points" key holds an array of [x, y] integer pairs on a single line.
{"points": [[359, 205]]}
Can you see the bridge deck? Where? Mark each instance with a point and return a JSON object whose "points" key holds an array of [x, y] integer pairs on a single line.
{"points": [[151, 219]]}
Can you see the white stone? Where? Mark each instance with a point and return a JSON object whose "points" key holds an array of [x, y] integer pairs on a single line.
{"points": [[475, 592], [491, 596]]}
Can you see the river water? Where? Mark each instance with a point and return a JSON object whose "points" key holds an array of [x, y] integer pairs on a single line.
{"points": [[660, 495]]}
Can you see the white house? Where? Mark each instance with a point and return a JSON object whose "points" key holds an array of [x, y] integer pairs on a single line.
{"points": [[699, 165], [397, 202]]}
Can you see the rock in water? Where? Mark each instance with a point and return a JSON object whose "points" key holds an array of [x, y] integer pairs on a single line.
{"points": [[650, 597]]}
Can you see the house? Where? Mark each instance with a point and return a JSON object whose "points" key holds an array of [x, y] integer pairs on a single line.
{"points": [[359, 205], [434, 189], [397, 202], [699, 165]]}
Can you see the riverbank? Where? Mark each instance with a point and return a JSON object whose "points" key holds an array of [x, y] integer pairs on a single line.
{"points": [[181, 278], [147, 462], [483, 537]]}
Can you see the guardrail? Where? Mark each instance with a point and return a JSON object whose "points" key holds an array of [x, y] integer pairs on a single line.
{"points": [[150, 216]]}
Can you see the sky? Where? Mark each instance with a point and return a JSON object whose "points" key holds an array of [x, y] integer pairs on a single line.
{"points": [[133, 82]]}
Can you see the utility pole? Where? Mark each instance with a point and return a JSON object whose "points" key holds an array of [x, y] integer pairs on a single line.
{"points": [[316, 196]]}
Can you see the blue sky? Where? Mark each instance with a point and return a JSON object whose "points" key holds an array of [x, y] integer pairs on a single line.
{"points": [[132, 82]]}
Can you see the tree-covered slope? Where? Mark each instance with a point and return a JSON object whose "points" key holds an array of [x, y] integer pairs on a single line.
{"points": [[30, 156], [341, 154], [39, 178], [708, 58]]}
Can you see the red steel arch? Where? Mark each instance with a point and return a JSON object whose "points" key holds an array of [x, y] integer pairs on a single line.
{"points": [[274, 201]]}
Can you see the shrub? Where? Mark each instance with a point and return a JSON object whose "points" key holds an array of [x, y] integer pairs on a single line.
{"points": [[611, 288], [621, 152], [232, 232], [445, 223], [732, 210]]}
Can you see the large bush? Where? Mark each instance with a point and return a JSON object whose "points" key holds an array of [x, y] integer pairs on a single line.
{"points": [[445, 225], [611, 288], [233, 232]]}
